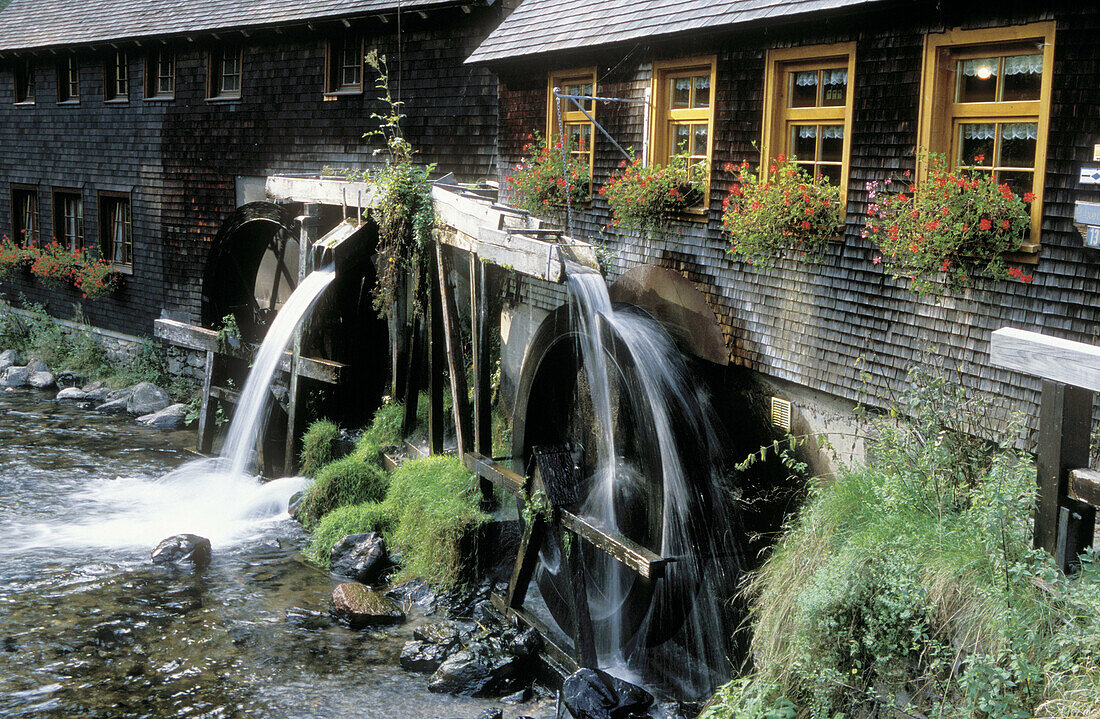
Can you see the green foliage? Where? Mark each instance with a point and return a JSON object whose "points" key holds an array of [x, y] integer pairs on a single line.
{"points": [[351, 480], [318, 446], [913, 580], [542, 180], [228, 333], [435, 502], [87, 356], [783, 212], [45, 337], [342, 521], [942, 231], [148, 363], [646, 197], [385, 426]]}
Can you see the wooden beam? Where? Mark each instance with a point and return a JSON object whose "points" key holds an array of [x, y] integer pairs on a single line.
{"points": [[414, 371], [584, 640], [456, 360], [482, 325], [322, 191], [1046, 357], [1084, 486], [527, 558], [206, 410], [204, 340], [565, 663], [225, 395], [436, 360], [495, 472], [638, 558]]}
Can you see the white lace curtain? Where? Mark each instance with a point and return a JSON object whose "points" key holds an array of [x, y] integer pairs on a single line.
{"points": [[1009, 131], [828, 132], [1013, 65], [829, 77]]}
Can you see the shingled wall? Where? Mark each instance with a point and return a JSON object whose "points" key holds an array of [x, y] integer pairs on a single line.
{"points": [[180, 158], [818, 325]]}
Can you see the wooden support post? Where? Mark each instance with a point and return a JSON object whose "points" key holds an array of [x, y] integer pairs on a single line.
{"points": [[584, 640], [413, 371], [479, 329], [1065, 419], [436, 362], [206, 412], [456, 360], [310, 221], [526, 560]]}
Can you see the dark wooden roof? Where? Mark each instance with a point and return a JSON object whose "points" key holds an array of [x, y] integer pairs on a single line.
{"points": [[543, 26], [37, 24]]}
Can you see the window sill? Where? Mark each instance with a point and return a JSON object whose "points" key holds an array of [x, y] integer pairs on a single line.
{"points": [[1028, 254], [336, 94], [117, 101], [68, 102], [159, 98], [123, 269], [224, 99], [24, 103]]}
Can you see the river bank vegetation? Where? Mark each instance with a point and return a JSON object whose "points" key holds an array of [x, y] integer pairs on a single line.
{"points": [[909, 587]]}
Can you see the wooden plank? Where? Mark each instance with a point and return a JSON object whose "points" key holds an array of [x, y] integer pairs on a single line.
{"points": [[456, 360], [584, 641], [225, 395], [1050, 358], [465, 214], [640, 559], [436, 360], [495, 472], [527, 558], [481, 326], [1084, 486], [525, 255], [206, 411], [321, 190], [205, 340]]}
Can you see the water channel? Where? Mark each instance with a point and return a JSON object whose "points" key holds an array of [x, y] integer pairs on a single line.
{"points": [[90, 628]]}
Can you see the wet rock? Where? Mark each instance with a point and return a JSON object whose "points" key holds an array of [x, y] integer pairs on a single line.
{"points": [[526, 644], [462, 603], [595, 694], [98, 391], [359, 606], [447, 632], [183, 549], [10, 358], [361, 557], [15, 377], [493, 713], [68, 378], [147, 398], [424, 657], [481, 669], [41, 380], [415, 593], [71, 394], [171, 417], [113, 406], [307, 619], [519, 697], [37, 365]]}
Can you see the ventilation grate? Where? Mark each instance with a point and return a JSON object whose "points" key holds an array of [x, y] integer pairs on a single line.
{"points": [[781, 414]]}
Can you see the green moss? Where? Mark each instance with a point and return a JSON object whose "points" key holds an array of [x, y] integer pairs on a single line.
{"points": [[318, 446], [435, 502], [351, 480], [342, 521]]}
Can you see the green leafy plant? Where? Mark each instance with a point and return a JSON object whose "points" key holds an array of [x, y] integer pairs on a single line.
{"points": [[645, 197], [54, 265], [12, 257], [229, 334], [318, 446], [942, 231], [95, 278], [541, 181], [403, 208], [783, 212]]}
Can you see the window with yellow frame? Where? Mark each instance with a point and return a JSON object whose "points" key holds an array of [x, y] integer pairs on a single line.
{"points": [[985, 104], [683, 111], [808, 108], [577, 128]]}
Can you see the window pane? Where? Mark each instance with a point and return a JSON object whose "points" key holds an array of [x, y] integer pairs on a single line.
{"points": [[803, 91], [699, 142], [681, 139], [804, 142], [1020, 182], [702, 91], [834, 90], [830, 171], [832, 143], [680, 93], [1023, 77], [1018, 140], [976, 144], [978, 80]]}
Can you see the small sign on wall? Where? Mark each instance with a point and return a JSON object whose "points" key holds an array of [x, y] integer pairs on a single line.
{"points": [[1090, 175], [1092, 237]]}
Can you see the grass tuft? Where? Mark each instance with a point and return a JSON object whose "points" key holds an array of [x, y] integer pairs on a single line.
{"points": [[342, 521], [318, 446], [347, 481]]}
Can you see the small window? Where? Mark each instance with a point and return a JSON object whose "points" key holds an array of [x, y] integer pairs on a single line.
{"points": [[684, 111], [68, 218], [116, 79], [809, 113], [68, 80], [160, 75], [345, 64], [225, 73], [26, 229], [116, 229], [577, 126], [24, 82], [986, 103]]}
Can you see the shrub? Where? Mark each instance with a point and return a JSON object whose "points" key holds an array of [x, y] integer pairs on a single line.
{"points": [[148, 363], [342, 521], [318, 446], [942, 231], [645, 197], [542, 181], [351, 480], [914, 580], [780, 213], [435, 502]]}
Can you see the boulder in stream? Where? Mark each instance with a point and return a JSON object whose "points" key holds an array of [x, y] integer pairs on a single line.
{"points": [[171, 417], [68, 378], [98, 391], [595, 694], [37, 365], [359, 606], [41, 380], [10, 358], [361, 557], [482, 669], [15, 377], [183, 549], [147, 398]]}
